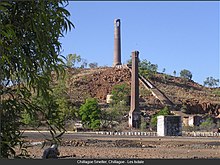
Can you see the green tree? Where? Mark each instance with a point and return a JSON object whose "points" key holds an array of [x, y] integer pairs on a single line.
{"points": [[186, 74], [58, 101], [50, 109], [108, 116], [207, 124], [211, 82], [59, 93], [164, 70], [216, 92], [120, 92], [164, 111], [72, 59], [93, 65], [147, 69], [90, 113], [30, 52], [84, 63], [143, 125], [174, 73], [118, 107], [114, 115]]}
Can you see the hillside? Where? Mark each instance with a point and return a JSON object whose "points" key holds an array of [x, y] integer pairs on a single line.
{"points": [[98, 83]]}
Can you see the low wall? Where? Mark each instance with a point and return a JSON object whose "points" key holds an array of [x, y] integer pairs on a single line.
{"points": [[184, 133]]}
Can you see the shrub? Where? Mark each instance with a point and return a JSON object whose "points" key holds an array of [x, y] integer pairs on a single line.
{"points": [[211, 82], [216, 92], [120, 93], [207, 125], [184, 109], [90, 113], [164, 111], [186, 74]]}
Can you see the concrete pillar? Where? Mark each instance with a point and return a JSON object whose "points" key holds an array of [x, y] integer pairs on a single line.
{"points": [[134, 114], [117, 43], [169, 125]]}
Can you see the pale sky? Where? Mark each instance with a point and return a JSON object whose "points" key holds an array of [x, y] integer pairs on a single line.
{"points": [[173, 35]]}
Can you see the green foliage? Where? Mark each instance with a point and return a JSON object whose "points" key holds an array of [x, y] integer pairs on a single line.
{"points": [[72, 59], [119, 93], [108, 117], [52, 114], [211, 82], [10, 116], [216, 92], [30, 52], [90, 113], [207, 125], [61, 98], [166, 78], [174, 73], [59, 101], [147, 69], [114, 114], [143, 125], [190, 128], [93, 65], [145, 92], [29, 119], [184, 108], [129, 62], [186, 74], [164, 70], [84, 63], [164, 111]]}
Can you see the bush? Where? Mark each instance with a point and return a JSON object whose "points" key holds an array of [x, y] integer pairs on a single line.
{"points": [[147, 69], [29, 120], [164, 111], [207, 125], [190, 128], [120, 93], [114, 115], [184, 108], [186, 74], [216, 92], [90, 113], [211, 82], [143, 125]]}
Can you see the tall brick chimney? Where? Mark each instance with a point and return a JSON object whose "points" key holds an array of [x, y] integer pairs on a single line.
{"points": [[117, 43]]}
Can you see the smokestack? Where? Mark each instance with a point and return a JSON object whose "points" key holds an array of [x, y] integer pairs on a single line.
{"points": [[117, 43]]}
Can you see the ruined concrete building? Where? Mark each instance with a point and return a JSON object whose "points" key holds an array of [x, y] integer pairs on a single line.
{"points": [[169, 125]]}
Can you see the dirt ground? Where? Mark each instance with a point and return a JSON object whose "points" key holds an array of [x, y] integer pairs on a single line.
{"points": [[146, 148]]}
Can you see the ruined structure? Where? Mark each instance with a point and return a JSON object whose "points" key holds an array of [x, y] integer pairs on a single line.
{"points": [[134, 114], [117, 43], [169, 125], [192, 120]]}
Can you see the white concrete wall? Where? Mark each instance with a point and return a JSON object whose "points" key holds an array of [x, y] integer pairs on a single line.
{"points": [[169, 125], [191, 121], [161, 129]]}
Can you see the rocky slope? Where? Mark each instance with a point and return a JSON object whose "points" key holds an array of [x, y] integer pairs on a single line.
{"points": [[98, 83]]}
